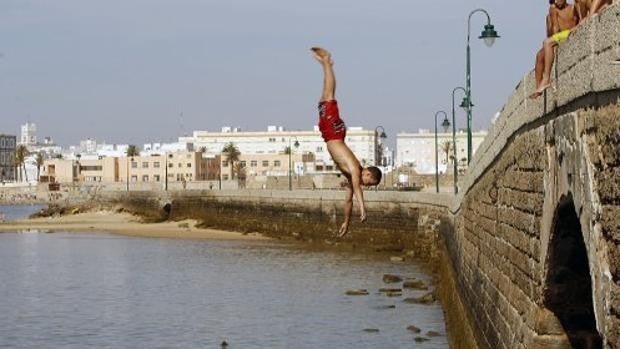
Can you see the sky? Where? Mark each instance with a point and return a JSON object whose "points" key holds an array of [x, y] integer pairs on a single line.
{"points": [[136, 71]]}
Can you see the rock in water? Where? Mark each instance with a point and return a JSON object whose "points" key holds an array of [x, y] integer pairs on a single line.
{"points": [[393, 294], [421, 339], [415, 284], [413, 329], [391, 278], [371, 330], [428, 298], [433, 334], [397, 259], [358, 292], [390, 290], [224, 344]]}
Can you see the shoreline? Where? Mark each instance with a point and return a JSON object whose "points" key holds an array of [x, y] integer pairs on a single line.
{"points": [[124, 224]]}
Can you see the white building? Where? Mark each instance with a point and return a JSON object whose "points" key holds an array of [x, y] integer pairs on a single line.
{"points": [[29, 134], [417, 150], [276, 139]]}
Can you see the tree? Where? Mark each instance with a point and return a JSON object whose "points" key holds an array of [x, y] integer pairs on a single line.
{"points": [[232, 155], [202, 149], [20, 159], [287, 150], [38, 161], [132, 150], [446, 147]]}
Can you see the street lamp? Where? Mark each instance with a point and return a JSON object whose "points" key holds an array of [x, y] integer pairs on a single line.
{"points": [[465, 104], [290, 152], [383, 136], [165, 171], [445, 124], [488, 35]]}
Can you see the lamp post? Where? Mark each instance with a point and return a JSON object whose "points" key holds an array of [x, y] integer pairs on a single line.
{"points": [[445, 124], [465, 104], [488, 35], [290, 152], [383, 136]]}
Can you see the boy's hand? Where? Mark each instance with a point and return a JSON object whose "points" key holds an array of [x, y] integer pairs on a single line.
{"points": [[344, 229], [322, 55], [362, 214]]}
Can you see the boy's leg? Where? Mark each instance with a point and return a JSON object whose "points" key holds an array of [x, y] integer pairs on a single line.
{"points": [[329, 79], [549, 48], [596, 6], [539, 68]]}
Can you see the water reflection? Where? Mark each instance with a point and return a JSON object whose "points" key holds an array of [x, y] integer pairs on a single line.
{"points": [[79, 290]]}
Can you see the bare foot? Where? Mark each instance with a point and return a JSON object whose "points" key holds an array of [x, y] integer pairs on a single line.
{"points": [[535, 95], [616, 62], [542, 88], [322, 55]]}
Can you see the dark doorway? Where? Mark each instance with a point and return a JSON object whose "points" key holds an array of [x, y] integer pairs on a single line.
{"points": [[568, 292]]}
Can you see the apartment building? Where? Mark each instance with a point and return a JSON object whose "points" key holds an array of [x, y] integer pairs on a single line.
{"points": [[7, 157], [276, 139], [179, 167], [253, 165], [417, 150]]}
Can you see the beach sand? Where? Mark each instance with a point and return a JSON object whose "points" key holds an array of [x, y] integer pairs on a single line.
{"points": [[124, 224]]}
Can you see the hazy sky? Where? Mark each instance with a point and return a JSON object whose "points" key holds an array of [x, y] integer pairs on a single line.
{"points": [[123, 70]]}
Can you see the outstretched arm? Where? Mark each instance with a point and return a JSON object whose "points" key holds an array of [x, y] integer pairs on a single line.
{"points": [[356, 184], [348, 207], [329, 79]]}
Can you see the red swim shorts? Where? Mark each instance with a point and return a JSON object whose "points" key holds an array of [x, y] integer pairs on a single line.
{"points": [[331, 125]]}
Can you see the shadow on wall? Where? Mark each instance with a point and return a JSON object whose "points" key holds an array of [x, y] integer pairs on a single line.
{"points": [[568, 291]]}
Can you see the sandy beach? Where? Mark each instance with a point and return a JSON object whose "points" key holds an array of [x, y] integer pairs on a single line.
{"points": [[124, 224]]}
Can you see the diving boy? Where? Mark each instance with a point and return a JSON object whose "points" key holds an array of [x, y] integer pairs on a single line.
{"points": [[333, 131]]}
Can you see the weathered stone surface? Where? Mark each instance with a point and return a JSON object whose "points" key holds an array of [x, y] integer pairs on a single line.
{"points": [[415, 284], [357, 292], [427, 298]]}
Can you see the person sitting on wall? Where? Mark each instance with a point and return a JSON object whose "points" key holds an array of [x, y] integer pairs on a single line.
{"points": [[539, 65], [564, 18], [590, 8]]}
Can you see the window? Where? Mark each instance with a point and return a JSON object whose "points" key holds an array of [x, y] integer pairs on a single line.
{"points": [[91, 168], [189, 165], [145, 164], [134, 178], [277, 163], [242, 163], [180, 165], [319, 167], [225, 177], [265, 163], [145, 178], [319, 149], [253, 163], [225, 163], [171, 165], [329, 167], [134, 164], [156, 164], [156, 178]]}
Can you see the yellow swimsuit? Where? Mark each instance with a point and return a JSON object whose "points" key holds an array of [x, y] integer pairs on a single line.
{"points": [[561, 36]]}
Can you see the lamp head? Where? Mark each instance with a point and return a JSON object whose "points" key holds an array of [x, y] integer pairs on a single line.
{"points": [[489, 35], [383, 135], [296, 144], [445, 124], [466, 104]]}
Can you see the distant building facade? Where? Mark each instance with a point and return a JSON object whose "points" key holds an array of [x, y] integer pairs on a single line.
{"points": [[28, 135], [417, 150], [276, 139], [7, 157]]}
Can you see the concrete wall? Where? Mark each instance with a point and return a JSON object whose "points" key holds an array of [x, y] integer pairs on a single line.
{"points": [[508, 237]]}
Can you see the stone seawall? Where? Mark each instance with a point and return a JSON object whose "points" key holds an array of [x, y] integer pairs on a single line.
{"points": [[534, 237], [396, 221]]}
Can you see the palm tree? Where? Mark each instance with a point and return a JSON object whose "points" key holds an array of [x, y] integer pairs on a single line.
{"points": [[232, 155], [38, 161], [132, 150], [20, 159], [446, 147], [202, 149]]}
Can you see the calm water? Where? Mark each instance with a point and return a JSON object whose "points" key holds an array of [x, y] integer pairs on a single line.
{"points": [[66, 290], [12, 212]]}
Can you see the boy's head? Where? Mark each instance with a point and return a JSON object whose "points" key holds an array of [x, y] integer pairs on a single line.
{"points": [[371, 176], [560, 3]]}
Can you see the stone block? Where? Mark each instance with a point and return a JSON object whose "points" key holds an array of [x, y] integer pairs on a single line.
{"points": [[575, 82], [550, 342], [547, 323]]}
